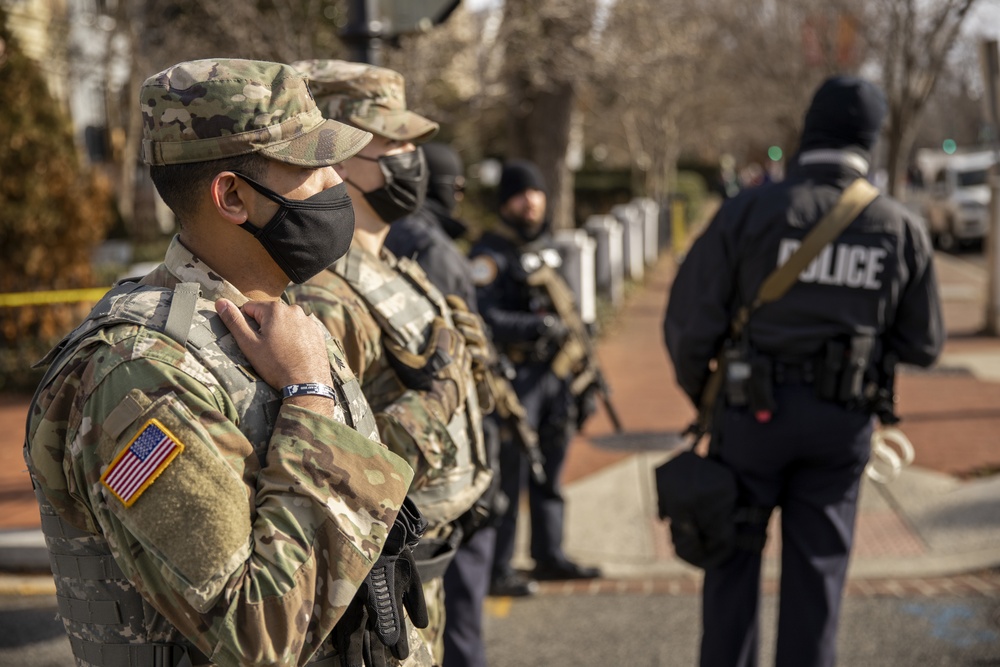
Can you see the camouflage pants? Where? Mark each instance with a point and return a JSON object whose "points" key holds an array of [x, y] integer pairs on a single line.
{"points": [[433, 634]]}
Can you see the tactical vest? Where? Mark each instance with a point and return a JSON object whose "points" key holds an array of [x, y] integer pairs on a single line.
{"points": [[104, 616], [407, 321]]}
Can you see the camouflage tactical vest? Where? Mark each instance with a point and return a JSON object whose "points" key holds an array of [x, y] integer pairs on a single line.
{"points": [[108, 622], [404, 303]]}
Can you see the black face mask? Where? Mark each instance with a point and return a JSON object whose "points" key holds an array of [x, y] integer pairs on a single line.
{"points": [[306, 235], [405, 184]]}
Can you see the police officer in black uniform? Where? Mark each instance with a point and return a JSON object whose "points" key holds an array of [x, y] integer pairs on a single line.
{"points": [[427, 236], [806, 449], [527, 331]]}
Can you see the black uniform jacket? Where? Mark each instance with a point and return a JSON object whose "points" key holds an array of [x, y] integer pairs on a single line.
{"points": [[421, 236], [505, 298], [876, 278]]}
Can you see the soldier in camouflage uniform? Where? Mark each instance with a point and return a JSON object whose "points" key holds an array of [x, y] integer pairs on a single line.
{"points": [[211, 483], [413, 358]]}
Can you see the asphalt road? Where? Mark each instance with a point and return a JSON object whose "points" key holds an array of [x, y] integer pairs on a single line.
{"points": [[663, 631], [637, 630]]}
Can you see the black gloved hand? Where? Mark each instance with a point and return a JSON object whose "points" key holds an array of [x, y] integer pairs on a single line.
{"points": [[372, 632], [553, 329], [552, 333], [586, 405]]}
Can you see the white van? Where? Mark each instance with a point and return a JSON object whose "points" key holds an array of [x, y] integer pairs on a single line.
{"points": [[958, 198]]}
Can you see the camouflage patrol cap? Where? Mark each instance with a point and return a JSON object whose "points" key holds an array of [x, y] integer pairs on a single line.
{"points": [[210, 109], [372, 98]]}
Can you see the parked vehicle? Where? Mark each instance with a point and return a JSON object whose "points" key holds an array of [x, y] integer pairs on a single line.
{"points": [[956, 202]]}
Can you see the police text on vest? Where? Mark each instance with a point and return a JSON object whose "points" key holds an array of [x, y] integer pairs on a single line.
{"points": [[841, 264]]}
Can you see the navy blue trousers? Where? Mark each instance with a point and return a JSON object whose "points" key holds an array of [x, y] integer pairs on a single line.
{"points": [[467, 581], [808, 460], [550, 410], [466, 584]]}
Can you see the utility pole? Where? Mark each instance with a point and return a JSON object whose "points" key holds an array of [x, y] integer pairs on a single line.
{"points": [[363, 32], [991, 99]]}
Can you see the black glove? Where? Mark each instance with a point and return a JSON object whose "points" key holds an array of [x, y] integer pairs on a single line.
{"points": [[586, 405], [372, 632], [553, 329], [552, 333]]}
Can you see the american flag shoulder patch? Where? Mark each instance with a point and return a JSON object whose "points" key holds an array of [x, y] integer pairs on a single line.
{"points": [[139, 464]]}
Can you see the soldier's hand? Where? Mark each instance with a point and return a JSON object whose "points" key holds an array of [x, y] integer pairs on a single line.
{"points": [[283, 344], [372, 632], [438, 371]]}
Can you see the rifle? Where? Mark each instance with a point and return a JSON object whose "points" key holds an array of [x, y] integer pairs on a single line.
{"points": [[513, 416], [576, 357]]}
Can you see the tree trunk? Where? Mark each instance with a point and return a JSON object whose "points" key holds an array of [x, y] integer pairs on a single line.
{"points": [[539, 131]]}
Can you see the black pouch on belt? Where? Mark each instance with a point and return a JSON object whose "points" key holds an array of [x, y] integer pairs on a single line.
{"points": [[760, 388], [841, 375], [831, 369], [852, 381]]}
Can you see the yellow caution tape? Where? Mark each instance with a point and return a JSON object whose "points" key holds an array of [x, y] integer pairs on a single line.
{"points": [[54, 296]]}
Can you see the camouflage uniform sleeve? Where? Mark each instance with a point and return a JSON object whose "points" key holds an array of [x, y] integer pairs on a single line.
{"points": [[411, 428], [253, 558]]}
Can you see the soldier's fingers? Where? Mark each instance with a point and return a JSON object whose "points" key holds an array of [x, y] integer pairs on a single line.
{"points": [[233, 318], [457, 303], [261, 311]]}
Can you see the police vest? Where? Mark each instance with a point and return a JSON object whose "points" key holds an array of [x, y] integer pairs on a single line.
{"points": [[106, 624], [388, 294]]}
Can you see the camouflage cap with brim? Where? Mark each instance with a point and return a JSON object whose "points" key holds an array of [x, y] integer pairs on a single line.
{"points": [[211, 109], [372, 98]]}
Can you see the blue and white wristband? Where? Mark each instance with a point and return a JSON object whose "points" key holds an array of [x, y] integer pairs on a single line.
{"points": [[308, 389]]}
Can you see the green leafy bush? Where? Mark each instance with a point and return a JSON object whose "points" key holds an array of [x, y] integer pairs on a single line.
{"points": [[53, 212]]}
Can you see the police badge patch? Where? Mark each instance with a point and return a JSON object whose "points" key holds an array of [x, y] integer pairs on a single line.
{"points": [[484, 270], [139, 464]]}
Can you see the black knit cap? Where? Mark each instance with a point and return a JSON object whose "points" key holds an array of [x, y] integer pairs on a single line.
{"points": [[518, 176], [443, 166], [845, 111]]}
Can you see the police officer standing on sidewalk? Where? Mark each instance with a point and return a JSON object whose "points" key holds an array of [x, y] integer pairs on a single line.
{"points": [[526, 329], [797, 431], [211, 483], [411, 350]]}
